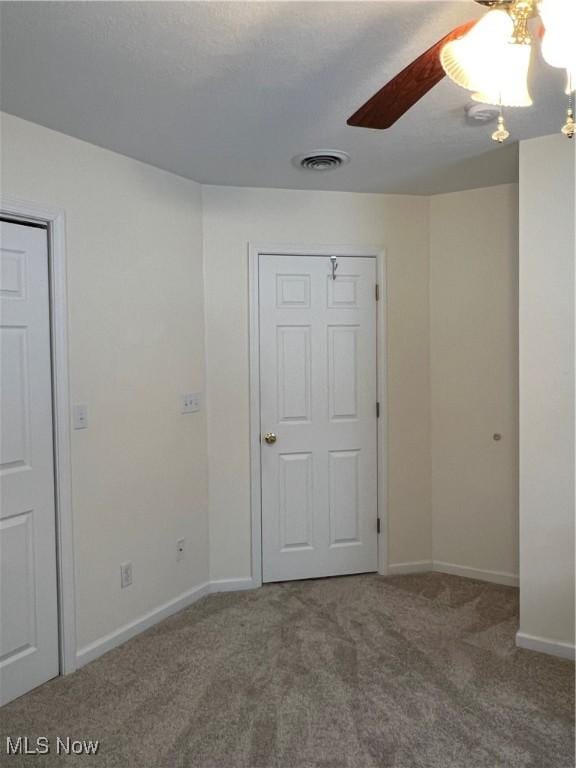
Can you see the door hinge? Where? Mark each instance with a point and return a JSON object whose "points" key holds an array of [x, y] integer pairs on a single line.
{"points": [[377, 292], [377, 525], [377, 410]]}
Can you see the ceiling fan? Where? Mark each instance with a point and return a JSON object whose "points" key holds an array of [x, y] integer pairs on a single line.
{"points": [[489, 57]]}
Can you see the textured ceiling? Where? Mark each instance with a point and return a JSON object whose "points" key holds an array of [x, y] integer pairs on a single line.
{"points": [[227, 93]]}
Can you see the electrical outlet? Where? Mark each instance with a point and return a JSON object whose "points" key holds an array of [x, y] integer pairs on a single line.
{"points": [[191, 402], [125, 574], [80, 416], [180, 549]]}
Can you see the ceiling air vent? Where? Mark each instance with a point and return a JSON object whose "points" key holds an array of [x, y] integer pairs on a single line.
{"points": [[321, 160]]}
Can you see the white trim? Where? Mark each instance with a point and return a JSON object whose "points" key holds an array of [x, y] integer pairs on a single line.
{"points": [[233, 585], [104, 644], [382, 391], [545, 645], [496, 577], [255, 250], [128, 631], [133, 628], [424, 566], [255, 469], [55, 219], [402, 569]]}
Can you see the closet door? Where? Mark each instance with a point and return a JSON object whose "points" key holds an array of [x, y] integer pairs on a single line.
{"points": [[28, 592]]}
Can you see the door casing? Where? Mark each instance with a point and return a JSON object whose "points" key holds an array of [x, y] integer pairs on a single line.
{"points": [[54, 219], [255, 252]]}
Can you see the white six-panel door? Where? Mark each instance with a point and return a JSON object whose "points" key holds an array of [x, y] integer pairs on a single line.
{"points": [[28, 596], [318, 400]]}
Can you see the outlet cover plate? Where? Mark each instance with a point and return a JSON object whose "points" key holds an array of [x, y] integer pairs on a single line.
{"points": [[191, 402], [125, 574], [80, 416]]}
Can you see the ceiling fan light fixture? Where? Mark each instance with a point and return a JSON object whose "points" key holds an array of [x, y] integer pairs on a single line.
{"points": [[490, 58]]}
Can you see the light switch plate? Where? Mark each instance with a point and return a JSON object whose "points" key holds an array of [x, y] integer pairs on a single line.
{"points": [[191, 403], [80, 416], [125, 574]]}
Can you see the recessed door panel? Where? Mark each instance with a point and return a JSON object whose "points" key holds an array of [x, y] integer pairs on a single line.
{"points": [[293, 291], [294, 386], [17, 629], [12, 267], [343, 371], [14, 389], [343, 292], [344, 497], [295, 472]]}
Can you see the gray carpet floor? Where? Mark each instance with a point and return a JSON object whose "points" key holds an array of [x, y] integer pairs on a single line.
{"points": [[357, 672]]}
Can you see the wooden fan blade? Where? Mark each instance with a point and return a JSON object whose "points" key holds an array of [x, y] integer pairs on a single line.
{"points": [[408, 87]]}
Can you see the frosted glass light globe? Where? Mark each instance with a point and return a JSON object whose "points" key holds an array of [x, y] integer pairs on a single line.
{"points": [[507, 82], [558, 46], [468, 61]]}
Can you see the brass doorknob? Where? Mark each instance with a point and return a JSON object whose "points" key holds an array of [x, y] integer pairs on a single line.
{"points": [[270, 438]]}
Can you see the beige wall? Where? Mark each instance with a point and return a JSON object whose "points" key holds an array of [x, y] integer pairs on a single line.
{"points": [[232, 218], [473, 378], [547, 253], [133, 239], [157, 266]]}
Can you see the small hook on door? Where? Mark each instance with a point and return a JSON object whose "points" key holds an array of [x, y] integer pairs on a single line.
{"points": [[334, 262]]}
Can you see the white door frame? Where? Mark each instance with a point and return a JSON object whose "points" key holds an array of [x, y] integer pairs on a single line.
{"points": [[255, 250], [55, 221]]}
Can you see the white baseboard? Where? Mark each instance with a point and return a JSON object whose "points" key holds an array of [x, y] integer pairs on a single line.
{"points": [[118, 637], [403, 569], [233, 585], [121, 635], [423, 566], [496, 577], [544, 645]]}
